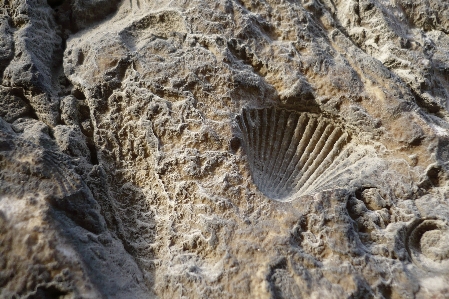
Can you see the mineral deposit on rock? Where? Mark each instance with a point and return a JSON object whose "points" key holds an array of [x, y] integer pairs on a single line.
{"points": [[224, 149]]}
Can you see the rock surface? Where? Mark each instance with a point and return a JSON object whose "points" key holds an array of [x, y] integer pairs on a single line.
{"points": [[224, 149]]}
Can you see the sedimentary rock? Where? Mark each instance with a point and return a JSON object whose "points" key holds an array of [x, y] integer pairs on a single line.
{"points": [[224, 149]]}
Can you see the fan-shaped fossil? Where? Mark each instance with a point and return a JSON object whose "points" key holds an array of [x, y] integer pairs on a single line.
{"points": [[294, 153]]}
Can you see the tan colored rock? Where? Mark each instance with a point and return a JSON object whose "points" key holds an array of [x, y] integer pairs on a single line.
{"points": [[155, 149]]}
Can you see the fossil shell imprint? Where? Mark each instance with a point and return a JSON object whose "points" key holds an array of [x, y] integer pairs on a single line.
{"points": [[428, 244], [293, 153]]}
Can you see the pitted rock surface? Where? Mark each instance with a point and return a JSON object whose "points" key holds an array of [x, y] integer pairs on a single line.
{"points": [[136, 160]]}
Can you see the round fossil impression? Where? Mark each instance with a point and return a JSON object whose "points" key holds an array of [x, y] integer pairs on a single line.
{"points": [[293, 153], [428, 244]]}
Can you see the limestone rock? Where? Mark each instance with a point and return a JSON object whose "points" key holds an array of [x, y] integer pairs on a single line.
{"points": [[224, 149]]}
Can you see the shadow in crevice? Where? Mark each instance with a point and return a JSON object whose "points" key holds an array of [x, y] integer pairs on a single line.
{"points": [[101, 239], [76, 239], [48, 292], [126, 211], [14, 104]]}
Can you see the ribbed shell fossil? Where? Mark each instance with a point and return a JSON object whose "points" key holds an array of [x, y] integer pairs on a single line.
{"points": [[292, 153]]}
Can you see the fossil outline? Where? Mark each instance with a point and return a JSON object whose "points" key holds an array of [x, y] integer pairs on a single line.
{"points": [[293, 153]]}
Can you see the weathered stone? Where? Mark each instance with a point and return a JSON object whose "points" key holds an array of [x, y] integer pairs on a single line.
{"points": [[224, 149]]}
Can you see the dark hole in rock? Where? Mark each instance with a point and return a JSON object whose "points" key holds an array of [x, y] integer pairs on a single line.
{"points": [[435, 176], [55, 3], [93, 153], [234, 144], [5, 146], [48, 292], [78, 94]]}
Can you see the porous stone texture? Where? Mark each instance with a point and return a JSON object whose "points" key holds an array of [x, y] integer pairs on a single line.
{"points": [[127, 154]]}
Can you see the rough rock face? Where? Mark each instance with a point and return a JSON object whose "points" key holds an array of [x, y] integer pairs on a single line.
{"points": [[224, 149]]}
